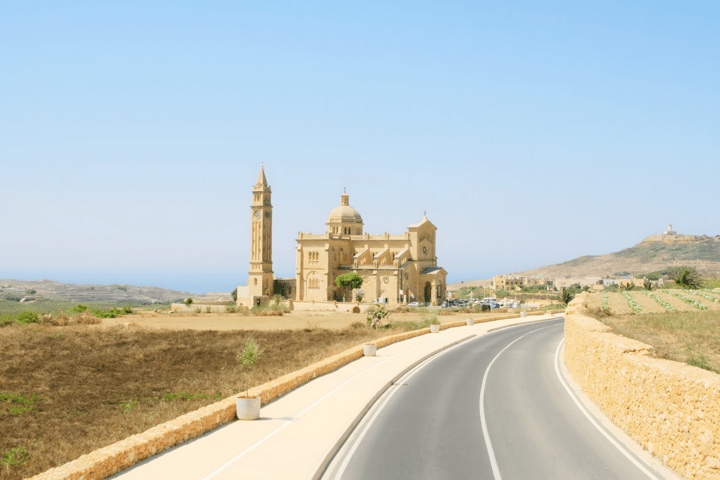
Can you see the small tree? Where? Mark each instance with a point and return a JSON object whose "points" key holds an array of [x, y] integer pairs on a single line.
{"points": [[566, 296], [627, 286], [189, 301], [348, 280], [247, 357], [31, 292], [647, 284], [233, 294]]}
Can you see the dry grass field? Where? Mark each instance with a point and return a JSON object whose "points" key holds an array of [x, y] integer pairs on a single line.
{"points": [[66, 391], [295, 320], [688, 334]]}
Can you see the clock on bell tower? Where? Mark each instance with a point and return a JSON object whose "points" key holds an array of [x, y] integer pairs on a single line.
{"points": [[260, 279]]}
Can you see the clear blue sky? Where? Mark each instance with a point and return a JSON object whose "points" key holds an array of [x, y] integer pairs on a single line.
{"points": [[132, 132]]}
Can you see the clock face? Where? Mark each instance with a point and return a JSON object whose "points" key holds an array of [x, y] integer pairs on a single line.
{"points": [[257, 214], [425, 250], [267, 214]]}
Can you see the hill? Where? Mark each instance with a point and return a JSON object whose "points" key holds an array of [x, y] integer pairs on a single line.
{"points": [[92, 293], [655, 253]]}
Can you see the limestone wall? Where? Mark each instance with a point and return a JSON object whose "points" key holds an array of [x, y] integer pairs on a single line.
{"points": [[331, 306], [182, 308], [670, 408]]}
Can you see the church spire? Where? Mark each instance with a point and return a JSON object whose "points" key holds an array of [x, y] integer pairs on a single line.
{"points": [[261, 179]]}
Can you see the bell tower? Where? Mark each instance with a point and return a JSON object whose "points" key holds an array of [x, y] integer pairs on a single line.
{"points": [[260, 279]]}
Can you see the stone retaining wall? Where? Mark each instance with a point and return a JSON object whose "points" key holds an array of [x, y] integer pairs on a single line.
{"points": [[672, 409], [182, 308], [108, 460], [346, 307]]}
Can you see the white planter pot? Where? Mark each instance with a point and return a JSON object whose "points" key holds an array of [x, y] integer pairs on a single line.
{"points": [[248, 408], [369, 350], [434, 328], [523, 314], [470, 322]]}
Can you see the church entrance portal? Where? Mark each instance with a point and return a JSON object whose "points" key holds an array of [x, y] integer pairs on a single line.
{"points": [[428, 292]]}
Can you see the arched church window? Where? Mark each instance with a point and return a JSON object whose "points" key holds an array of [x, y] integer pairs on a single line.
{"points": [[255, 282]]}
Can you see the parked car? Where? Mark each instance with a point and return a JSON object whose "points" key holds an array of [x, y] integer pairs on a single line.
{"points": [[413, 304]]}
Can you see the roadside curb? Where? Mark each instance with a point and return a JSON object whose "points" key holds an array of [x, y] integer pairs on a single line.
{"points": [[325, 462], [118, 456]]}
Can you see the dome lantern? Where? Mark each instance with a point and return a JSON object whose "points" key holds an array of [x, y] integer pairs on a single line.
{"points": [[344, 220]]}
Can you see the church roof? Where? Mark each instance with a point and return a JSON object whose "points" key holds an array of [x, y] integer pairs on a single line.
{"points": [[422, 222], [344, 213], [431, 270]]}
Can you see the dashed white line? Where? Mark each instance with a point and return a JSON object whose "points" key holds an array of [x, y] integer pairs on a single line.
{"points": [[486, 435]]}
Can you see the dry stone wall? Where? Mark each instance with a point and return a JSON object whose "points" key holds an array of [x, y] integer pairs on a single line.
{"points": [[672, 409]]}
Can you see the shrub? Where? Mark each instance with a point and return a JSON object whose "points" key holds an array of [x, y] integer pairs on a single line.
{"points": [[79, 308], [647, 284], [23, 318], [15, 456], [230, 309], [31, 292], [686, 277], [112, 313], [566, 296], [375, 318], [189, 301]]}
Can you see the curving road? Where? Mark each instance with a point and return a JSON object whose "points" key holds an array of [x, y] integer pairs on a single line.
{"points": [[492, 407]]}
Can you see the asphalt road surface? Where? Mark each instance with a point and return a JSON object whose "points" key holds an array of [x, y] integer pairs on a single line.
{"points": [[492, 407]]}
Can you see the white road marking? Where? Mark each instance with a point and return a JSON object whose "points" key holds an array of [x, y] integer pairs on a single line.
{"points": [[281, 427], [405, 378], [592, 420], [486, 435]]}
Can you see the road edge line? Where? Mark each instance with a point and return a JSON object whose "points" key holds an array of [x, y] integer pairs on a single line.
{"points": [[322, 466], [596, 421]]}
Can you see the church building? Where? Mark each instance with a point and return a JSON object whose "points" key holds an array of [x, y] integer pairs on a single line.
{"points": [[401, 268]]}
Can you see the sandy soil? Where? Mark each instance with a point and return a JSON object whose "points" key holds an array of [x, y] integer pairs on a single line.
{"points": [[648, 304], [295, 320], [619, 306]]}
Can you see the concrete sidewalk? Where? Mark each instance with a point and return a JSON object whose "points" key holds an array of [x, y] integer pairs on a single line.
{"points": [[297, 431]]}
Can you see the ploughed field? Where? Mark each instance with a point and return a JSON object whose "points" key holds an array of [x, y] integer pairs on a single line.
{"points": [[68, 390], [681, 325]]}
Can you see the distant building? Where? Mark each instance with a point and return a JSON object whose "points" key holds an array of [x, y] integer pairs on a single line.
{"points": [[670, 231]]}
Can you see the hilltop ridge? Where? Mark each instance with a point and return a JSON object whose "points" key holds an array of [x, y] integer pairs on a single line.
{"points": [[654, 253]]}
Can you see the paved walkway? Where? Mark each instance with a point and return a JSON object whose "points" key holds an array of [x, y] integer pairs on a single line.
{"points": [[298, 430]]}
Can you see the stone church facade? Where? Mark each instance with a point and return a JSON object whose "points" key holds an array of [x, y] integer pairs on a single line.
{"points": [[402, 268]]}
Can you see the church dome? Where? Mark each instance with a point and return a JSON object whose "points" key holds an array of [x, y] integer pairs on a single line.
{"points": [[344, 213]]}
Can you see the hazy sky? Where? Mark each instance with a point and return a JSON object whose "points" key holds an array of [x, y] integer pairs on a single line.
{"points": [[131, 132]]}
